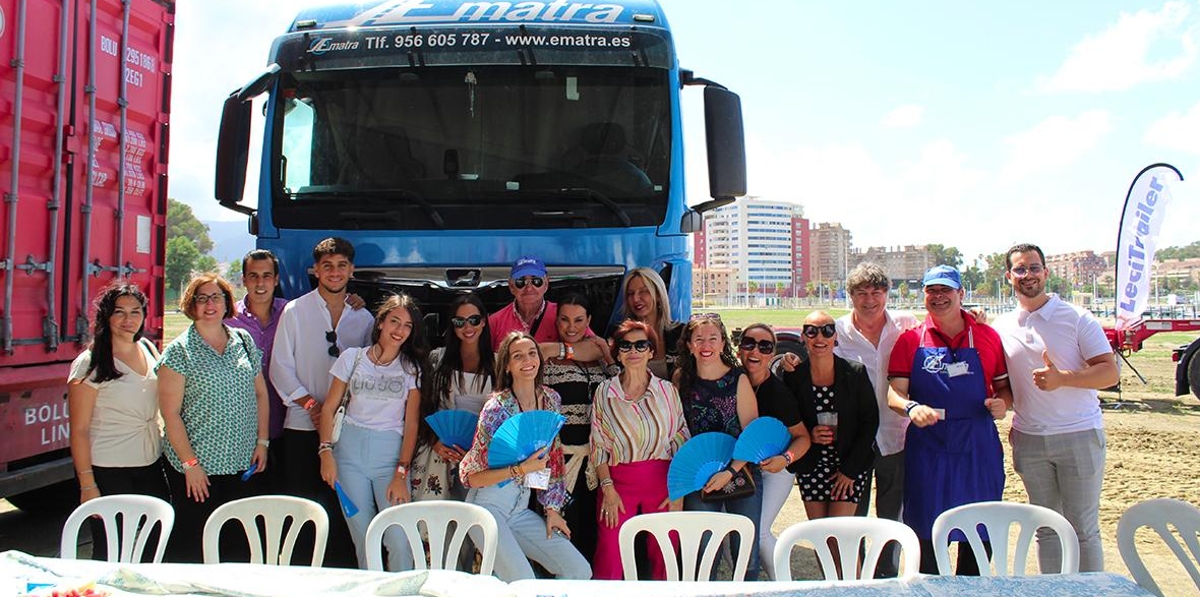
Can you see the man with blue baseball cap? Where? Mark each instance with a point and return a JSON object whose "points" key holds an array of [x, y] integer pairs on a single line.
{"points": [[949, 377], [529, 311]]}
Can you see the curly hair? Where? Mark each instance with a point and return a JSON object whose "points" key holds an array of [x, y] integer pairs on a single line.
{"points": [[688, 375], [102, 361]]}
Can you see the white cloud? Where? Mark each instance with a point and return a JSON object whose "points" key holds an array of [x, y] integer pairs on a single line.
{"points": [[1120, 57], [906, 116], [1177, 131], [1054, 143]]}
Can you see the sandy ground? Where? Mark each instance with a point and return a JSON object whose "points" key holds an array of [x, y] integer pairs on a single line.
{"points": [[1153, 451]]}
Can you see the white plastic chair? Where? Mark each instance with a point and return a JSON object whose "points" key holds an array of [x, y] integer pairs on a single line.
{"points": [[437, 516], [997, 517], [139, 515], [849, 532], [1160, 515], [691, 528], [278, 513]]}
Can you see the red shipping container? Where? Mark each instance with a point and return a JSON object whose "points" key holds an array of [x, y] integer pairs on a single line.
{"points": [[84, 109]]}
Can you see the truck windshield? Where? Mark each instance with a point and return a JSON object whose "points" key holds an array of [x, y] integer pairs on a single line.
{"points": [[470, 147]]}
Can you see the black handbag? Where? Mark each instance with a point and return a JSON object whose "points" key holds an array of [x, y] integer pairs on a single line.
{"points": [[740, 486]]}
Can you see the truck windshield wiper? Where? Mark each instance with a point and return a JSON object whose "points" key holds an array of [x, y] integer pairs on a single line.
{"points": [[376, 194], [598, 197]]}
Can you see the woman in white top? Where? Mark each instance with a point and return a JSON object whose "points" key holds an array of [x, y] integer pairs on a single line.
{"points": [[112, 395], [460, 379], [379, 436]]}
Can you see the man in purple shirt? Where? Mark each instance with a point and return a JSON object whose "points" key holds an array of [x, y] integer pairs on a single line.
{"points": [[258, 313]]}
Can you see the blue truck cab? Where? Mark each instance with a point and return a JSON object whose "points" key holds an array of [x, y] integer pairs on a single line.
{"points": [[446, 139]]}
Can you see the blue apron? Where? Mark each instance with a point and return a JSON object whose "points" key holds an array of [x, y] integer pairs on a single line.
{"points": [[958, 460]]}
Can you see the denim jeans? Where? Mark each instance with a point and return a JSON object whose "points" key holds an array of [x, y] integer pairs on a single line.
{"points": [[523, 537], [750, 507], [367, 460]]}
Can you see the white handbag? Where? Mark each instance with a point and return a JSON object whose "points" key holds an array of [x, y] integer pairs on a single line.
{"points": [[339, 416]]}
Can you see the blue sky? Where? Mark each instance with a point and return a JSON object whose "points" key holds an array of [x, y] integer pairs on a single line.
{"points": [[967, 124]]}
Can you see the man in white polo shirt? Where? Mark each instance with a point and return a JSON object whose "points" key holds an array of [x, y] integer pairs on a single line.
{"points": [[867, 334], [1058, 356]]}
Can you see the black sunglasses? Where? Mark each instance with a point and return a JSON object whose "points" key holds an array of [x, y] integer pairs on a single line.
{"points": [[521, 282], [472, 320], [331, 338], [827, 330], [764, 346], [638, 345]]}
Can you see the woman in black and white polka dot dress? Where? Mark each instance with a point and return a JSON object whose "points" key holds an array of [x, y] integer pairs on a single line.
{"points": [[834, 472]]}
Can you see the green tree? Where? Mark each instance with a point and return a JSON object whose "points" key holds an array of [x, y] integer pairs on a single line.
{"points": [[943, 255], [181, 221], [234, 272], [1180, 253], [972, 277], [902, 288], [207, 264], [181, 259]]}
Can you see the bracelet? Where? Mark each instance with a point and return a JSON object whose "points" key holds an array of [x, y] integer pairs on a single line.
{"points": [[266, 443], [731, 470], [190, 464], [402, 471], [310, 403], [910, 406], [82, 473], [570, 351], [606, 482], [323, 449], [789, 457], [89, 487]]}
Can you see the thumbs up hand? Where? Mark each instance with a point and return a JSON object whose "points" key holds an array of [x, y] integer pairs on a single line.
{"points": [[1049, 377]]}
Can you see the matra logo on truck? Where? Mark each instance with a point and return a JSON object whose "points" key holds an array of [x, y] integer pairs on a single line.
{"points": [[326, 44], [418, 11]]}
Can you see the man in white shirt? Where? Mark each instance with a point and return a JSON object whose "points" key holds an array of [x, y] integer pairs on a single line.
{"points": [[866, 334], [312, 332], [1058, 357]]}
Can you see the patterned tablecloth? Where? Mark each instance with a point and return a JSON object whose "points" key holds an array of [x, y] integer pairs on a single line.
{"points": [[20, 572]]}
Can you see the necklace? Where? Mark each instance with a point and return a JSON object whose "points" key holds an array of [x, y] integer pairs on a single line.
{"points": [[379, 359]]}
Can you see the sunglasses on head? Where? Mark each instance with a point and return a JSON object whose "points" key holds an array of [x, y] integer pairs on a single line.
{"points": [[764, 346], [827, 330], [712, 316], [638, 345], [331, 338], [472, 320], [521, 282]]}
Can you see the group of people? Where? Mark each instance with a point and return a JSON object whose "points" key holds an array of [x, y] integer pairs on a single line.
{"points": [[249, 398]]}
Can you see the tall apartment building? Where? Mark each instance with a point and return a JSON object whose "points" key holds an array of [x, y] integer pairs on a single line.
{"points": [[908, 262], [1079, 268], [829, 253], [758, 241]]}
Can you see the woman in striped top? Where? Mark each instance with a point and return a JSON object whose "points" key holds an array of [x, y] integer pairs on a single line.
{"points": [[637, 426]]}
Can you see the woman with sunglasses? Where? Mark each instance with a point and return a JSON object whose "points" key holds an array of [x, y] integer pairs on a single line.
{"points": [[461, 379], [637, 426], [756, 349], [379, 432], [112, 395], [717, 396], [213, 400], [575, 378], [834, 472], [524, 534], [646, 300]]}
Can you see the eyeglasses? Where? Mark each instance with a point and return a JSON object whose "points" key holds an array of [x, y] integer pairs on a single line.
{"points": [[521, 282], [204, 299], [764, 346], [827, 330], [1022, 271], [638, 345], [472, 320], [331, 338]]}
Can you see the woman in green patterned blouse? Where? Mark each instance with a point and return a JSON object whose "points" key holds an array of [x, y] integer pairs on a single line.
{"points": [[214, 404]]}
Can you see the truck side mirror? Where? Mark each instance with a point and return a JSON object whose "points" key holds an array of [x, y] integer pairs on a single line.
{"points": [[233, 151], [726, 143]]}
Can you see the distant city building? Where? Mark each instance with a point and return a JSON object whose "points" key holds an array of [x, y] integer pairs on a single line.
{"points": [[829, 251], [758, 241], [906, 263], [1080, 269], [1181, 271], [709, 283]]}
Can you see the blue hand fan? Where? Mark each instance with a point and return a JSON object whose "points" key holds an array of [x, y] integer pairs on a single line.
{"points": [[454, 427], [696, 461], [348, 506], [763, 438], [522, 435]]}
